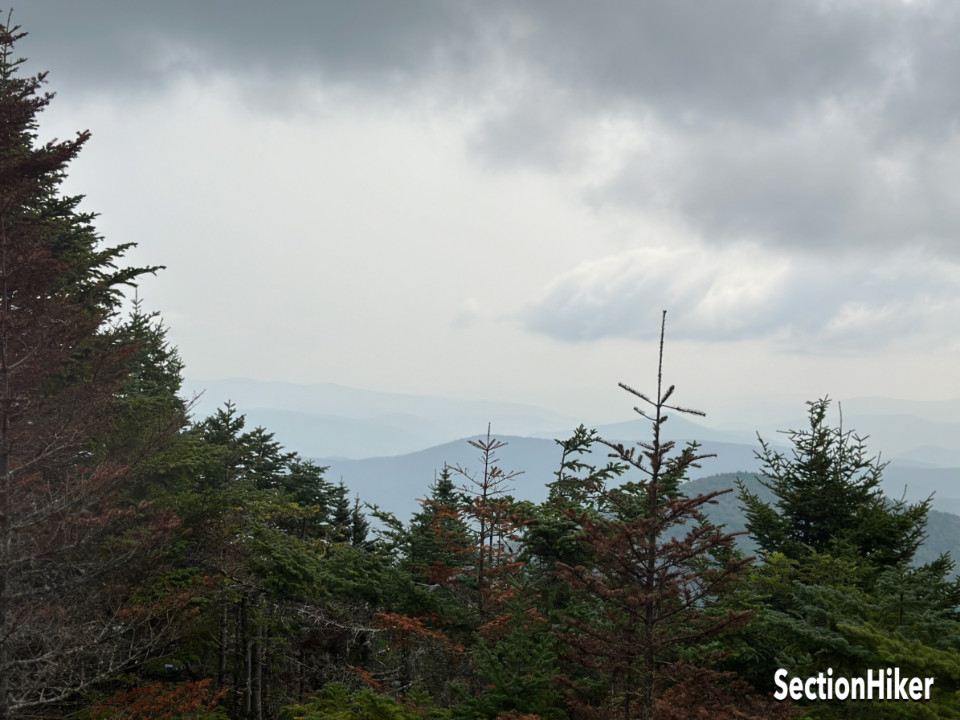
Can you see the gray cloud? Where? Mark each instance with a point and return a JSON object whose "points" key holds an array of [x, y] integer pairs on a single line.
{"points": [[808, 125], [798, 124], [698, 62], [106, 45], [695, 63], [819, 185]]}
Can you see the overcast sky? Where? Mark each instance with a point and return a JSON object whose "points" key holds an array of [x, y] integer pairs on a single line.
{"points": [[496, 200]]}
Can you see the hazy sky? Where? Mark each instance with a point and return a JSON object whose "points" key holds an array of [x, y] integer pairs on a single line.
{"points": [[496, 200]]}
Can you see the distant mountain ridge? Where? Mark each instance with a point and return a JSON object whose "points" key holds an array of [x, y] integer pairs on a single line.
{"points": [[397, 483], [538, 458], [328, 420], [387, 446]]}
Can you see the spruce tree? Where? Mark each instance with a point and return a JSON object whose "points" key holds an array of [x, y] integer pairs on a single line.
{"points": [[359, 525], [838, 589], [439, 541], [62, 369], [490, 511], [655, 577], [341, 518], [828, 499]]}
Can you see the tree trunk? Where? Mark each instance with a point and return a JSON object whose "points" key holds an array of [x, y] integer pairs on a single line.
{"points": [[4, 475], [222, 650], [257, 674], [247, 657]]}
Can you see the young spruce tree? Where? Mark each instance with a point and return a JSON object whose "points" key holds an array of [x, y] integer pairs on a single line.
{"points": [[652, 587]]}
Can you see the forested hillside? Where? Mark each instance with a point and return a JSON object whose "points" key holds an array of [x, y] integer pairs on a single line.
{"points": [[153, 567]]}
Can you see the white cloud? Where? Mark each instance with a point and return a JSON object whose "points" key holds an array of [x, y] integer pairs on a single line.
{"points": [[801, 303]]}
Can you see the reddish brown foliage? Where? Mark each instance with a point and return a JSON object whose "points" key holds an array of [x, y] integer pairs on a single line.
{"points": [[409, 628], [507, 622], [367, 677], [160, 702], [709, 695]]}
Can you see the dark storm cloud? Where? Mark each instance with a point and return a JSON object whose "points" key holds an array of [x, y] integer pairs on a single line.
{"points": [[820, 185], [694, 61], [107, 45], [800, 124], [697, 62]]}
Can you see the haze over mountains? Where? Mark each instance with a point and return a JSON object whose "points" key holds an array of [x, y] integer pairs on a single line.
{"points": [[387, 447], [332, 421]]}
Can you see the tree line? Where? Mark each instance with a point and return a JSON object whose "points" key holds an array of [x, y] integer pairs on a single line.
{"points": [[158, 566]]}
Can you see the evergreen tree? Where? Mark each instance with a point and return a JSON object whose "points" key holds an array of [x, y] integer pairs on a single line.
{"points": [[224, 453], [305, 483], [837, 576], [62, 370], [653, 584], [148, 414], [555, 536], [312, 493], [157, 372], [266, 462], [439, 539], [359, 525], [516, 662], [828, 499], [341, 518], [252, 550], [496, 525]]}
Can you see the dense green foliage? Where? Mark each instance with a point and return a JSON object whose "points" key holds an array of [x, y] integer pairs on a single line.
{"points": [[828, 498]]}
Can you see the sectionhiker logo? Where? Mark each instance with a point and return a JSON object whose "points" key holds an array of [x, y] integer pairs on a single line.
{"points": [[879, 684]]}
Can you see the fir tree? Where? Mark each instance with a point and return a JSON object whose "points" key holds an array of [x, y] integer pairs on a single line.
{"points": [[653, 583], [148, 413], [359, 525], [439, 538], [838, 573], [62, 371], [266, 462], [496, 525], [555, 536], [828, 499], [341, 516], [312, 493]]}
